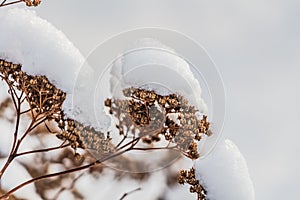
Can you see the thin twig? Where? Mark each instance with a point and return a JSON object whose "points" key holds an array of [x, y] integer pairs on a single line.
{"points": [[97, 162], [155, 148], [67, 188], [42, 150], [48, 128], [128, 193], [12, 94], [3, 2], [7, 4], [123, 139], [37, 123], [129, 143], [58, 174], [25, 111], [14, 145], [26, 133]]}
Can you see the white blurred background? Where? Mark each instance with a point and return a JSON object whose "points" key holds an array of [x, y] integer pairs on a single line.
{"points": [[256, 46]]}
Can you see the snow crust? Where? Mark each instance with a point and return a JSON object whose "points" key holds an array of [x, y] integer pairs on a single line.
{"points": [[150, 64], [41, 48]]}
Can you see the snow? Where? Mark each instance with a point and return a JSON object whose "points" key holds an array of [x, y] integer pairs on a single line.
{"points": [[149, 63], [44, 50], [40, 48], [224, 173]]}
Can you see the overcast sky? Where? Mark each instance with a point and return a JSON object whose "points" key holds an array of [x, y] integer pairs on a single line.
{"points": [[256, 46]]}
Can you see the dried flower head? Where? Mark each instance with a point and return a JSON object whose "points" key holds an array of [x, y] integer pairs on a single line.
{"points": [[45, 100], [189, 177], [42, 96], [32, 2], [155, 115]]}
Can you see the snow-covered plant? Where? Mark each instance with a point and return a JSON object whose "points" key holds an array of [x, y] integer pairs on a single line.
{"points": [[143, 117], [148, 116]]}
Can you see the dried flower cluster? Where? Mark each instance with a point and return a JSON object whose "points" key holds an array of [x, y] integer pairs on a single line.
{"points": [[45, 100], [153, 115], [42, 96], [32, 2], [28, 3], [143, 115], [80, 136], [190, 178]]}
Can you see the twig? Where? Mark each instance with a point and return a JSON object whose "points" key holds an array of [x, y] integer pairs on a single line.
{"points": [[155, 148], [37, 123], [67, 188], [129, 143], [123, 139], [3, 2], [42, 150], [25, 111], [128, 193], [13, 148], [97, 162], [10, 3]]}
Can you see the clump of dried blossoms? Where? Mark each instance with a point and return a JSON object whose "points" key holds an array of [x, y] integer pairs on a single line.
{"points": [[32, 2], [28, 3], [143, 115], [190, 178], [81, 136], [150, 115], [45, 101]]}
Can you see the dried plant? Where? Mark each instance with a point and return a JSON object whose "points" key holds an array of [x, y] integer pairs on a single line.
{"points": [[143, 116], [189, 177], [28, 3], [152, 115]]}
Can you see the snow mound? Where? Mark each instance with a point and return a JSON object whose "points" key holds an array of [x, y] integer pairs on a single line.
{"points": [[225, 174], [149, 63], [40, 48]]}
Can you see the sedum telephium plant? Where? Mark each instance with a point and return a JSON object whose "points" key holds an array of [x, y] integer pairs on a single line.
{"points": [[143, 116]]}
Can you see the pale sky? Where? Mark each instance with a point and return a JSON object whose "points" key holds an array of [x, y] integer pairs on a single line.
{"points": [[256, 46]]}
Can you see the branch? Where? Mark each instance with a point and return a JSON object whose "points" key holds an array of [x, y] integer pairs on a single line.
{"points": [[97, 162], [10, 3], [13, 148], [3, 2], [67, 188]]}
